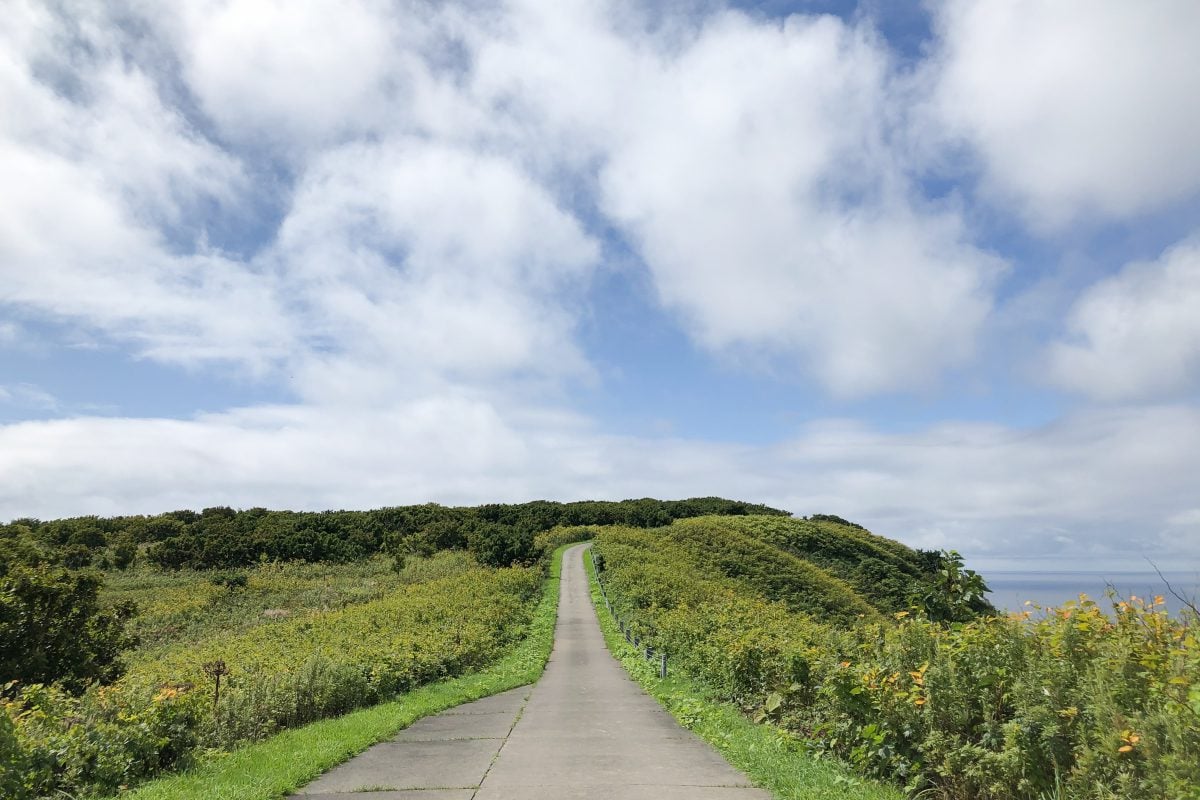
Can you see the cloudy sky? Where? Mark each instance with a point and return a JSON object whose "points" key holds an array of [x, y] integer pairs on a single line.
{"points": [[932, 268]]}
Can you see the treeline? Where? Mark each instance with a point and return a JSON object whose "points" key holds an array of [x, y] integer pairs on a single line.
{"points": [[222, 537]]}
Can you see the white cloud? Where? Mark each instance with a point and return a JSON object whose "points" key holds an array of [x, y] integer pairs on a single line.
{"points": [[425, 262], [1135, 335], [1095, 484], [1186, 519], [773, 216], [749, 165], [97, 177], [282, 72], [1077, 108], [417, 259], [73, 94]]}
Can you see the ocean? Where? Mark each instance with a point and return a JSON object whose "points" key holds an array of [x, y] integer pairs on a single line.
{"points": [[1010, 590]]}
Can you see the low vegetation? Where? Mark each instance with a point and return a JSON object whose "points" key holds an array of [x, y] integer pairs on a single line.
{"points": [[138, 646], [944, 697], [131, 646], [771, 757], [281, 764], [222, 690]]}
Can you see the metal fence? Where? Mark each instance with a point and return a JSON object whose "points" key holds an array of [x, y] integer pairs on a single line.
{"points": [[626, 630]]}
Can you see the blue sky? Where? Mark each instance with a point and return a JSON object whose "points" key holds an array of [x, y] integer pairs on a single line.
{"points": [[932, 267]]}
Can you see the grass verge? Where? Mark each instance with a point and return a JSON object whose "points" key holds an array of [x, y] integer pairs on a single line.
{"points": [[770, 757], [277, 766]]}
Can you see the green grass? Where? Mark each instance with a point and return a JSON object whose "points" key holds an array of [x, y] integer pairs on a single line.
{"points": [[770, 757], [273, 768]]}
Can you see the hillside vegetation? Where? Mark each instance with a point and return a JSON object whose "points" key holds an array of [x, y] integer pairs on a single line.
{"points": [[941, 694], [273, 672], [129, 645]]}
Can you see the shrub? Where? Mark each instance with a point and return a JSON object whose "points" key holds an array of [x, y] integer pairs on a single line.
{"points": [[500, 545], [52, 627], [546, 542]]}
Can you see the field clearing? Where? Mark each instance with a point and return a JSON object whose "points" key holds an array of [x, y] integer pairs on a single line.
{"points": [[189, 606]]}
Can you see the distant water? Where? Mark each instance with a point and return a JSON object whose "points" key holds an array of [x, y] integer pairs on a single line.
{"points": [[1010, 590]]}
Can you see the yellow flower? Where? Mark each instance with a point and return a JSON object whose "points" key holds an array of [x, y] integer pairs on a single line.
{"points": [[166, 693]]}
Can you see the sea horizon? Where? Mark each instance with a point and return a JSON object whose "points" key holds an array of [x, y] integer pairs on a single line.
{"points": [[1018, 590]]}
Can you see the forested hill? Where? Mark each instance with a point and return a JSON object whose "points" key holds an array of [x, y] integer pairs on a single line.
{"points": [[222, 537]]}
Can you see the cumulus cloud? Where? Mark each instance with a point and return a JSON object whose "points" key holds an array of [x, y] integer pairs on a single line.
{"points": [[1076, 108], [750, 167], [411, 257], [100, 170], [288, 73], [774, 216], [747, 163], [405, 256], [1135, 335]]}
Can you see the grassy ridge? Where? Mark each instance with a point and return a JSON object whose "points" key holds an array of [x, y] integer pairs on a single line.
{"points": [[705, 553], [1075, 703], [886, 573]]}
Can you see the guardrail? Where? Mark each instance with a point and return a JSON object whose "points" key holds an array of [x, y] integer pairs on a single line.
{"points": [[626, 630]]}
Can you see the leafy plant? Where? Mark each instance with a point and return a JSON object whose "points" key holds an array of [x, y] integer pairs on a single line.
{"points": [[53, 627]]}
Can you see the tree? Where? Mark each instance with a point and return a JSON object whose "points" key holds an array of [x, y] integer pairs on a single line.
{"points": [[500, 545], [957, 594]]}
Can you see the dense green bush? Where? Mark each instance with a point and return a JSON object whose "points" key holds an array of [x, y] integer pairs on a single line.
{"points": [[546, 542], [53, 628], [1071, 703], [500, 545], [223, 538]]}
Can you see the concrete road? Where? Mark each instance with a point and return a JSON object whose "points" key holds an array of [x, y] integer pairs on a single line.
{"points": [[585, 731]]}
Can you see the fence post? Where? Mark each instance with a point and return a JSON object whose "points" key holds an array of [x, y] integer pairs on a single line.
{"points": [[662, 669]]}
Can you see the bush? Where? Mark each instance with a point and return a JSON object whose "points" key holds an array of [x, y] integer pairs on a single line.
{"points": [[500, 545], [230, 580], [546, 542], [52, 628]]}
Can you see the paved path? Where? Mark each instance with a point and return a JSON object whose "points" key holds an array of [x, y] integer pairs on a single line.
{"points": [[585, 731]]}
